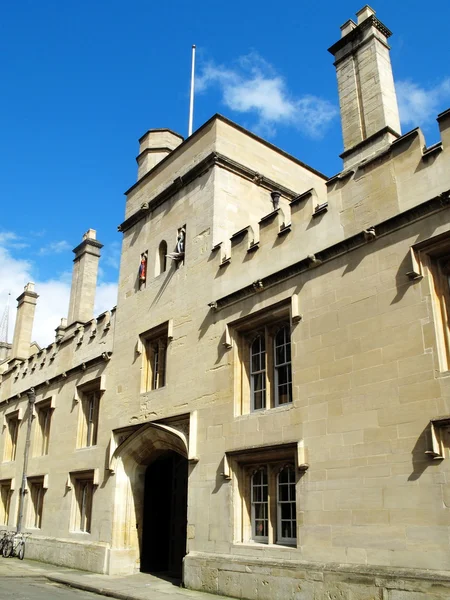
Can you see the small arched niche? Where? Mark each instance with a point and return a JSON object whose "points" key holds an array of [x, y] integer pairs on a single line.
{"points": [[161, 258]]}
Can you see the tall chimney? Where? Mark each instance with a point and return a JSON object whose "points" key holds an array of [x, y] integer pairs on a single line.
{"points": [[155, 145], [26, 305], [369, 111], [84, 279]]}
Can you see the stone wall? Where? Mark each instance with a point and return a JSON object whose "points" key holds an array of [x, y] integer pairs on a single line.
{"points": [[300, 580]]}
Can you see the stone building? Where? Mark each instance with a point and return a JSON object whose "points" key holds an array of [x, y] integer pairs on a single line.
{"points": [[267, 408]]}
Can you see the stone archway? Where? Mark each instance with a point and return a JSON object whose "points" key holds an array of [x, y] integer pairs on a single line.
{"points": [[150, 444]]}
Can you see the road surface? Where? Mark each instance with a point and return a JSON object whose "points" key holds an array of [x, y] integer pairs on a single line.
{"points": [[28, 588]]}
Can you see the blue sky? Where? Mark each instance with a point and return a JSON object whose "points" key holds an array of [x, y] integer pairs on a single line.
{"points": [[82, 81]]}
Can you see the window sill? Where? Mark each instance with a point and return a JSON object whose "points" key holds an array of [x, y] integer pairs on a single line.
{"points": [[264, 411], [145, 392], [85, 448], [262, 546]]}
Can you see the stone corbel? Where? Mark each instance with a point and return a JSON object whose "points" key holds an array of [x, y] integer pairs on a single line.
{"points": [[370, 234], [228, 341], [139, 348], [302, 462], [296, 317], [192, 449], [226, 473], [436, 451], [111, 458], [416, 268], [313, 261], [45, 482], [170, 330]]}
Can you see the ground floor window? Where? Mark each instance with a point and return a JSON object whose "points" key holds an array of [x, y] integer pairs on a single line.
{"points": [[36, 506], [5, 501], [83, 484], [265, 493]]}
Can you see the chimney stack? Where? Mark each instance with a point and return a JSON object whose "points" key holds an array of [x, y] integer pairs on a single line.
{"points": [[26, 306], [84, 279], [155, 145], [369, 111]]}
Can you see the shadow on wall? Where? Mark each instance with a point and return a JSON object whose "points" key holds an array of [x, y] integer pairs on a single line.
{"points": [[420, 460]]}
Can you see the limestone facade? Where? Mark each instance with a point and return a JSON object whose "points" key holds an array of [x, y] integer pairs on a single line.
{"points": [[268, 404]]}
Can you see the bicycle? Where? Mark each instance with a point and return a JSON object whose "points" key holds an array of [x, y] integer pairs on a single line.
{"points": [[4, 536], [15, 545]]}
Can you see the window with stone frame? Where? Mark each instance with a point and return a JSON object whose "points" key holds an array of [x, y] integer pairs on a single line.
{"points": [[89, 417], [154, 358], [432, 257], [12, 422], [266, 488], [5, 501], [83, 487], [264, 370], [44, 411], [36, 502]]}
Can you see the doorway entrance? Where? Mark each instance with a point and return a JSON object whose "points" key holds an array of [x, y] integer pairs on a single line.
{"points": [[165, 515]]}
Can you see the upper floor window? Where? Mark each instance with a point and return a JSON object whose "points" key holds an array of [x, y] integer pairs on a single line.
{"points": [[12, 433], [44, 412], [89, 415], [282, 366], [266, 362], [154, 365], [432, 257], [258, 372]]}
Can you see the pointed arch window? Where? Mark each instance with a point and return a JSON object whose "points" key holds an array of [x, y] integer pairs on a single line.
{"points": [[161, 259]]}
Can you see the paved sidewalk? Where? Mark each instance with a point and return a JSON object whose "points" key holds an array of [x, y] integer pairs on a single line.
{"points": [[140, 586]]}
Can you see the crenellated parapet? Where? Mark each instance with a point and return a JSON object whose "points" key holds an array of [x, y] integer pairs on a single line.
{"points": [[361, 203], [80, 347]]}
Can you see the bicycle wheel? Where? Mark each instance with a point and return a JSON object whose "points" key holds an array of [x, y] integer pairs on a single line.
{"points": [[21, 551], [8, 548]]}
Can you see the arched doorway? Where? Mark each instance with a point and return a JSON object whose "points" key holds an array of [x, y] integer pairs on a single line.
{"points": [[165, 515], [150, 512]]}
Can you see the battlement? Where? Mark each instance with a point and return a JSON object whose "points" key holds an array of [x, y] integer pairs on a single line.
{"points": [[382, 186], [79, 346]]}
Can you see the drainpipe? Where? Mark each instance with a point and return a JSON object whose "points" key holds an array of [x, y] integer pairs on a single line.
{"points": [[31, 400]]}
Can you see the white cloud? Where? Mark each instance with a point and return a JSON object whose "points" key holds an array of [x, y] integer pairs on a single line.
{"points": [[419, 105], [254, 87], [55, 248], [53, 301]]}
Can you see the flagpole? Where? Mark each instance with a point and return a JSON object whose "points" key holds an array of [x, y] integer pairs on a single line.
{"points": [[191, 104]]}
